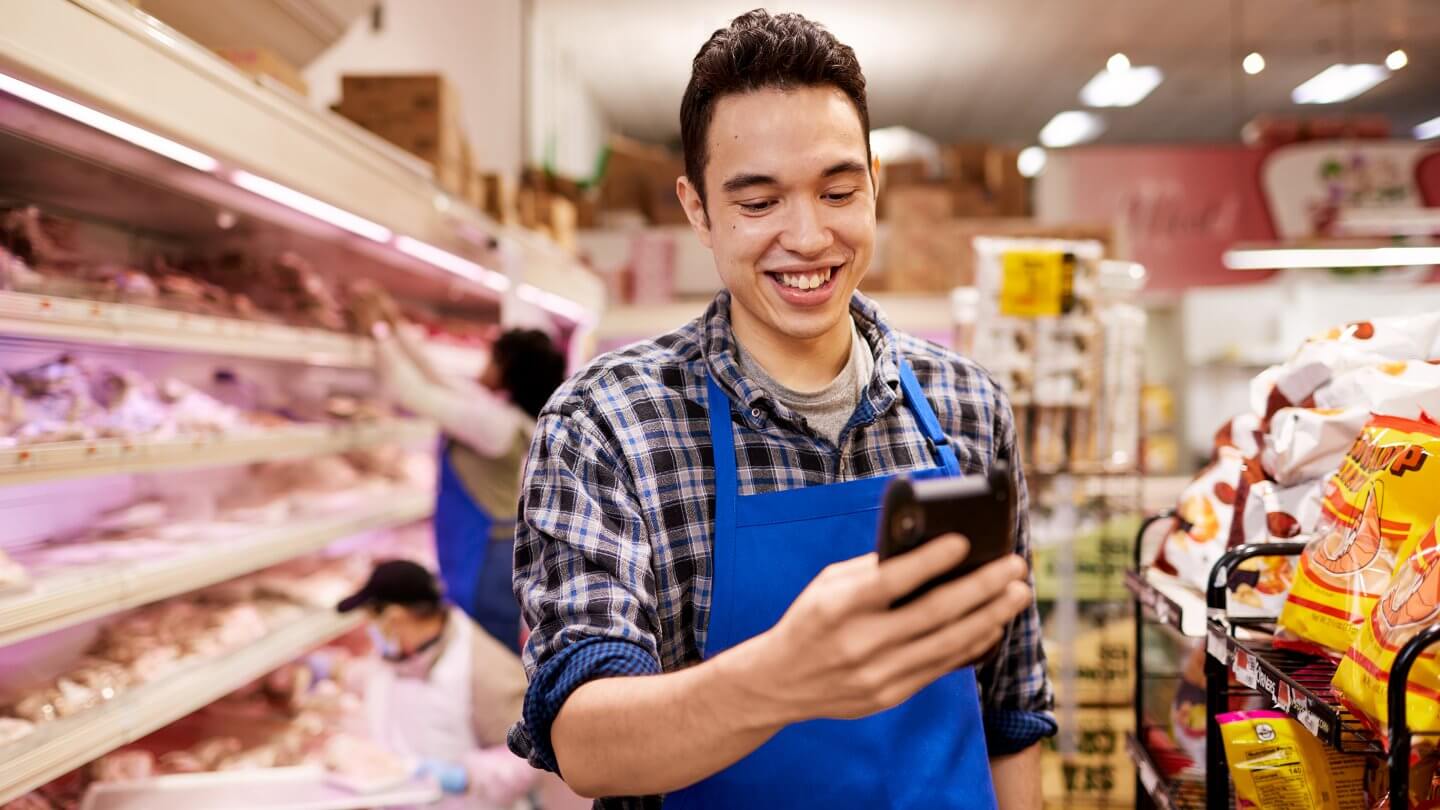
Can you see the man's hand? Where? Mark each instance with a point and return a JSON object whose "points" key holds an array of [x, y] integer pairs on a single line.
{"points": [[841, 651]]}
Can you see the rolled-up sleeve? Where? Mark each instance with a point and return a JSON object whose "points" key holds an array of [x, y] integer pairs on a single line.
{"points": [[582, 574], [1017, 700]]}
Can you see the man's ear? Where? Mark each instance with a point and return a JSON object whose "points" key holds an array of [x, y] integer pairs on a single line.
{"points": [[875, 174], [694, 209]]}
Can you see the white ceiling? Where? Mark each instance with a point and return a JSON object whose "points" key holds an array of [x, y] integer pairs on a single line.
{"points": [[998, 69]]}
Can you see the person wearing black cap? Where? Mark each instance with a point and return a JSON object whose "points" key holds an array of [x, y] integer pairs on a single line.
{"points": [[449, 693]]}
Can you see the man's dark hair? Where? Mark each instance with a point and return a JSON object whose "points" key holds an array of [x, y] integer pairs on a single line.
{"points": [[759, 51], [531, 368]]}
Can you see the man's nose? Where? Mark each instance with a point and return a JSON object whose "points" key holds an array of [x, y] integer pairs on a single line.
{"points": [[806, 231]]}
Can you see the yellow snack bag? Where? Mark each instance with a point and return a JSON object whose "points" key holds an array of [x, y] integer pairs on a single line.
{"points": [[1410, 604], [1277, 765], [1374, 509]]}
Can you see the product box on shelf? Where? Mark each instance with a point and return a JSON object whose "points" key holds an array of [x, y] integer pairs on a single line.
{"points": [[418, 113], [1096, 772], [265, 62], [1092, 663], [640, 177]]}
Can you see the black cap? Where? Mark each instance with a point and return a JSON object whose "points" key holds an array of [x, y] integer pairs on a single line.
{"points": [[395, 582]]}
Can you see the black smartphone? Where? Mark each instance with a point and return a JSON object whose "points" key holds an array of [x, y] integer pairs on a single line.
{"points": [[981, 507]]}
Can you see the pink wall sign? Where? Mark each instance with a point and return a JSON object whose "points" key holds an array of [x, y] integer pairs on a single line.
{"points": [[1176, 208]]}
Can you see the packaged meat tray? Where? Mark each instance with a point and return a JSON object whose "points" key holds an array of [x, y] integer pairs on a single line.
{"points": [[297, 788]]}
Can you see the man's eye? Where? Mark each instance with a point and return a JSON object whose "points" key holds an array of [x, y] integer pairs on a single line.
{"points": [[756, 207], [839, 196]]}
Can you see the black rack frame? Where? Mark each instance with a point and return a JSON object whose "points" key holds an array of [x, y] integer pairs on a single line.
{"points": [[1296, 683]]}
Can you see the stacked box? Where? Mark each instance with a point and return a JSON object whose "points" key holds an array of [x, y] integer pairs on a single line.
{"points": [[1097, 773], [639, 180], [419, 113]]}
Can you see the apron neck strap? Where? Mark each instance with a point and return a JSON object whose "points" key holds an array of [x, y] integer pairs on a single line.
{"points": [[920, 406], [722, 439]]}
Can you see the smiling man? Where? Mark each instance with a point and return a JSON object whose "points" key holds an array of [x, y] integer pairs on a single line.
{"points": [[710, 629]]}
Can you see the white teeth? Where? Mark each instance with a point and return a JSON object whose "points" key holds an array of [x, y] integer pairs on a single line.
{"points": [[807, 281]]}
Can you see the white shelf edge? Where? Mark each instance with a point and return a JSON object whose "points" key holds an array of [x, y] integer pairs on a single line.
{"points": [[85, 593], [76, 320], [61, 746], [49, 461]]}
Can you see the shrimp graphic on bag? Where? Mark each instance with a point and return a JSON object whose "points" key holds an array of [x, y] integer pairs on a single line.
{"points": [[1345, 553]]}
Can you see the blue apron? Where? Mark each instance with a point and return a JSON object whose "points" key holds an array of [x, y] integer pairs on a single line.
{"points": [[476, 552], [928, 752]]}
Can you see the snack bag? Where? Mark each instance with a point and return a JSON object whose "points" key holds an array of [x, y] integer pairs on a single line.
{"points": [[1375, 508], [1277, 765], [1397, 388], [1207, 505], [1410, 604], [1270, 513], [1307, 443], [1363, 343]]}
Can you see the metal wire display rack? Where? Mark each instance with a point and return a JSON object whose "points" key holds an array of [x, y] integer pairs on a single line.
{"points": [[1242, 659]]}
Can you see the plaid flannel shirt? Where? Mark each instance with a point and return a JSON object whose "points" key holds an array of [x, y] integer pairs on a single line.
{"points": [[613, 546]]}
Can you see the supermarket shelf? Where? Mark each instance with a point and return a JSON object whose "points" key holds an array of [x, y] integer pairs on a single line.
{"points": [[1296, 683], [79, 594], [301, 787], [72, 320], [66, 744], [83, 459], [1168, 602], [1184, 791], [46, 317], [175, 88]]}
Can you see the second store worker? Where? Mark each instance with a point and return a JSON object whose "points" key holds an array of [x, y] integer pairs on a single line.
{"points": [[487, 428]]}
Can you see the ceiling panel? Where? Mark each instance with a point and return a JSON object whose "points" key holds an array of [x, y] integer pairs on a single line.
{"points": [[998, 69]]}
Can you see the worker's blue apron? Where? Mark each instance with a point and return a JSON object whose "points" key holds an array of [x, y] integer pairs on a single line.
{"points": [[928, 752], [476, 552]]}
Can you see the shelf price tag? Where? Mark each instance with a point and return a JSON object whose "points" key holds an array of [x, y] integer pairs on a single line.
{"points": [[1217, 646], [1034, 283], [1308, 719], [1244, 668]]}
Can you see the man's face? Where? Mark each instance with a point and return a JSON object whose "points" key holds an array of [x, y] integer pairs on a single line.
{"points": [[791, 210]]}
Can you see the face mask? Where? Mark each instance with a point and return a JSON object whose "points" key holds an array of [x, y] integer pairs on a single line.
{"points": [[388, 649]]}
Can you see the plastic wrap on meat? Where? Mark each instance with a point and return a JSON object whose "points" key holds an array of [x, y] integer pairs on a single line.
{"points": [[358, 757], [58, 403], [13, 728], [130, 765], [39, 239], [15, 274], [12, 574], [194, 411], [131, 405]]}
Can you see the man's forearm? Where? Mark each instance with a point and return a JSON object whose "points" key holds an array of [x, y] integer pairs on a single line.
{"points": [[657, 734], [1017, 779]]}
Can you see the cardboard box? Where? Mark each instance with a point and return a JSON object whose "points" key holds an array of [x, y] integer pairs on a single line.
{"points": [[265, 62], [1008, 188], [903, 173], [562, 219], [917, 206], [941, 256], [641, 177], [1098, 772], [497, 198], [390, 96], [964, 163]]}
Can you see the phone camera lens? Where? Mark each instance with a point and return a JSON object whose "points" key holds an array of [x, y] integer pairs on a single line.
{"points": [[908, 523]]}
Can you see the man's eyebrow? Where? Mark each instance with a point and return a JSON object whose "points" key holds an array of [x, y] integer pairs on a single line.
{"points": [[741, 182], [844, 167]]}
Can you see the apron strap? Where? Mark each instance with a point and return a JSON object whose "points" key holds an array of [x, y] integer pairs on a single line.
{"points": [[722, 438], [920, 406]]}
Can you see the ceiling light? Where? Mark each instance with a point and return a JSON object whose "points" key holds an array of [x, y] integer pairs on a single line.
{"points": [[1388, 221], [1426, 130], [445, 260], [1125, 88], [1031, 161], [306, 204], [1254, 63], [1071, 127], [113, 126], [1282, 258], [1338, 83], [1117, 63], [1397, 59]]}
